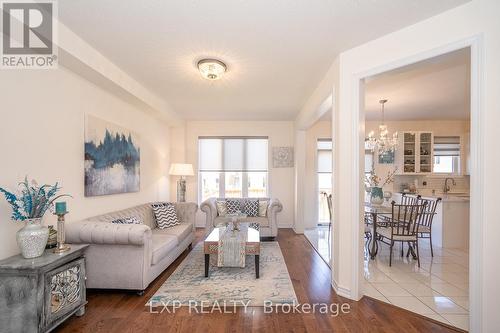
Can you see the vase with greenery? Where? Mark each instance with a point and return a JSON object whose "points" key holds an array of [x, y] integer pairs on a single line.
{"points": [[29, 205], [372, 185]]}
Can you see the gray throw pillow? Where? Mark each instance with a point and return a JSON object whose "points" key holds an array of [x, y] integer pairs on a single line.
{"points": [[127, 220], [251, 207], [263, 204], [233, 206]]}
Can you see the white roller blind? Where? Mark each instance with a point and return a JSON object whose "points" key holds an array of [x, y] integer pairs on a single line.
{"points": [[233, 154], [324, 161], [257, 153], [210, 154]]}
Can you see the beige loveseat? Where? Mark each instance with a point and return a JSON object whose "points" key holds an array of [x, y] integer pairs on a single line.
{"points": [[131, 256], [268, 224]]}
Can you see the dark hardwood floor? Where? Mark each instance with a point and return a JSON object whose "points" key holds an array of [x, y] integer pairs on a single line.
{"points": [[120, 311]]}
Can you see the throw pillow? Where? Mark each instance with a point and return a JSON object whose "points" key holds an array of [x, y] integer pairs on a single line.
{"points": [[251, 207], [263, 207], [165, 215], [221, 207], [233, 206], [127, 220]]}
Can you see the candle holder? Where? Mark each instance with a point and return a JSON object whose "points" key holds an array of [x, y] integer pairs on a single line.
{"points": [[61, 235]]}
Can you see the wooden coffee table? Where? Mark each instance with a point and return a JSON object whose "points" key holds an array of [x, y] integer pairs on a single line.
{"points": [[252, 246]]}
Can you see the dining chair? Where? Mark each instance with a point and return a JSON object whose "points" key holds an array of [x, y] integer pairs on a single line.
{"points": [[402, 226], [425, 222]]}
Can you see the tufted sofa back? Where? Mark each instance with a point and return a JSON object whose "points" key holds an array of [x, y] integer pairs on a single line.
{"points": [[143, 212]]}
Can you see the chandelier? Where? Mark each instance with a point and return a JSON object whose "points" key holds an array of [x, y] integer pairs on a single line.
{"points": [[383, 143]]}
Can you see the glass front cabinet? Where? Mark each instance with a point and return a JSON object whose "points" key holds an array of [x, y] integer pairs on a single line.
{"points": [[415, 152]]}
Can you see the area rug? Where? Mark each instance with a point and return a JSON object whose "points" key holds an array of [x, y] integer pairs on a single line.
{"points": [[228, 285]]}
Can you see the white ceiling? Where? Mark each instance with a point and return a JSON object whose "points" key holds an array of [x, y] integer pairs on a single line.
{"points": [[276, 51], [438, 88]]}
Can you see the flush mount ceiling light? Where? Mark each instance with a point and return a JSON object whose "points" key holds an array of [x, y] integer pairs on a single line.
{"points": [[211, 69]]}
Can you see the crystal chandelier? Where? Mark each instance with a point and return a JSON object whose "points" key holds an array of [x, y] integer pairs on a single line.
{"points": [[383, 143]]}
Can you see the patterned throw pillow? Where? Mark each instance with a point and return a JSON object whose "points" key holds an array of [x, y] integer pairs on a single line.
{"points": [[165, 215], [221, 207], [251, 207], [127, 220], [233, 206], [263, 207]]}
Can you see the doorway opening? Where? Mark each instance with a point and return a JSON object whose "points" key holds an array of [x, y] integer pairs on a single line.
{"points": [[417, 159]]}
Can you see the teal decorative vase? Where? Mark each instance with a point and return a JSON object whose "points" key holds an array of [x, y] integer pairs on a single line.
{"points": [[376, 195]]}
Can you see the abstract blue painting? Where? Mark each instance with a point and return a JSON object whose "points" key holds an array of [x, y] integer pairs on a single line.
{"points": [[112, 158]]}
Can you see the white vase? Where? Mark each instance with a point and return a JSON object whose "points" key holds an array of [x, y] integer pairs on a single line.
{"points": [[32, 238]]}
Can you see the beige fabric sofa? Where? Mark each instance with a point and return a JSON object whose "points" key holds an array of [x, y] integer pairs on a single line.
{"points": [[131, 256], [268, 224]]}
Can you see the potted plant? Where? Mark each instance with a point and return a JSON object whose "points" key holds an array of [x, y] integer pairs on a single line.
{"points": [[372, 185], [29, 205]]}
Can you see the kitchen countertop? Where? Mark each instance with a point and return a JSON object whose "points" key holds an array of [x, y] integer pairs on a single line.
{"points": [[450, 197]]}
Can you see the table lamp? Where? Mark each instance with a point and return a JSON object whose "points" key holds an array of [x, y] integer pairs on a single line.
{"points": [[183, 170]]}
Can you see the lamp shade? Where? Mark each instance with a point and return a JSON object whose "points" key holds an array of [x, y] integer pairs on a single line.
{"points": [[179, 169]]}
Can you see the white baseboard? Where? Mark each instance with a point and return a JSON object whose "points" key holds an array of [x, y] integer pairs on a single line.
{"points": [[341, 291]]}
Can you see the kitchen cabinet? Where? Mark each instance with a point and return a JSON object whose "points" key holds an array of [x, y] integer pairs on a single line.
{"points": [[415, 153]]}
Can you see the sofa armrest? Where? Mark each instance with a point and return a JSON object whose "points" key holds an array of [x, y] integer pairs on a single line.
{"points": [[186, 211], [92, 232], [210, 209], [275, 206]]}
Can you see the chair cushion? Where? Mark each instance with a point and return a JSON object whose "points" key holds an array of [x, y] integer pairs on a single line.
{"points": [[163, 244], [424, 229], [180, 231], [386, 232], [165, 214]]}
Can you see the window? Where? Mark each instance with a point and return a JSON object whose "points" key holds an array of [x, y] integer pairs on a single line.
{"points": [[325, 160], [232, 167], [447, 154]]}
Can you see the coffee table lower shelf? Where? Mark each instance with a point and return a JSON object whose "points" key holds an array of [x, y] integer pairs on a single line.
{"points": [[207, 265]]}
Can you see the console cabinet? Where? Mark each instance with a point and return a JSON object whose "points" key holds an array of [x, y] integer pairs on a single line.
{"points": [[38, 294]]}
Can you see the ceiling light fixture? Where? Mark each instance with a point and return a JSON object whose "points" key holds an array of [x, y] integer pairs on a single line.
{"points": [[211, 69], [383, 143]]}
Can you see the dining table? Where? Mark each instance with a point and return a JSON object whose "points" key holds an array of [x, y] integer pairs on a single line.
{"points": [[375, 211]]}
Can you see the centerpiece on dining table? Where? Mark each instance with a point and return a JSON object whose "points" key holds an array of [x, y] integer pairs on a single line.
{"points": [[373, 187]]}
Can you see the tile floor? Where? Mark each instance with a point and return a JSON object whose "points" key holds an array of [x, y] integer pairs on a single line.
{"points": [[438, 289], [318, 237]]}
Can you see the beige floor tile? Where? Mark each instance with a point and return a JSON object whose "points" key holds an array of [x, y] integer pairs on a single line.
{"points": [[390, 289], [463, 301], [419, 289], [437, 317], [442, 305], [410, 303], [460, 321], [447, 289]]}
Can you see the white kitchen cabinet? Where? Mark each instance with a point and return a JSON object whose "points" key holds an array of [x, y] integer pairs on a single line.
{"points": [[415, 152]]}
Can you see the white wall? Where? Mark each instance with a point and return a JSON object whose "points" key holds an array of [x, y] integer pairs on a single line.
{"points": [[42, 136], [397, 49], [320, 130], [281, 180]]}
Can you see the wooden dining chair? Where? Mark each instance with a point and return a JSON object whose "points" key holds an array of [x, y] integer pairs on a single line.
{"points": [[402, 227]]}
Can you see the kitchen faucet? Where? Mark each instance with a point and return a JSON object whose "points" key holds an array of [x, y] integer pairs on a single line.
{"points": [[446, 188]]}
